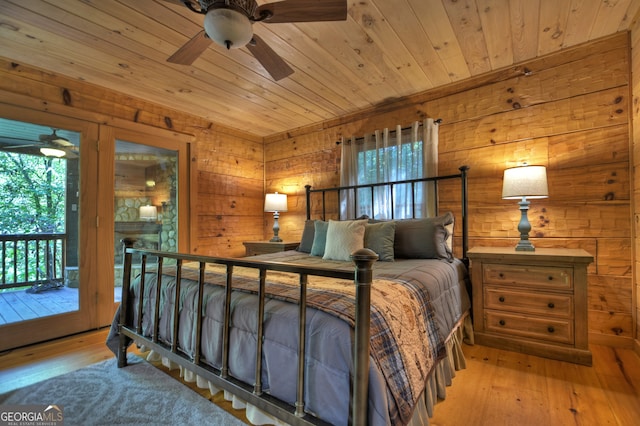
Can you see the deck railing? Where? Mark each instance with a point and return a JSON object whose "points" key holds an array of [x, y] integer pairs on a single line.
{"points": [[32, 259]]}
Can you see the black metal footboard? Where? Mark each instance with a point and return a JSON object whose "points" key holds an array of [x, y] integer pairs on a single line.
{"points": [[253, 394]]}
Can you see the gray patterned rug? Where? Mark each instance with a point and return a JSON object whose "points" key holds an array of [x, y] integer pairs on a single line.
{"points": [[138, 394]]}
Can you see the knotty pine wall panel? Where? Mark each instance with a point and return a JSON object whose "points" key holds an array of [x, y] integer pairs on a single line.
{"points": [[568, 111], [584, 112], [293, 166], [635, 114], [230, 194], [599, 146], [530, 86]]}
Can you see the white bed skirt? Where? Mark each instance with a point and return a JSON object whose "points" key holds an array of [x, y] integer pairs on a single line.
{"points": [[441, 378]]}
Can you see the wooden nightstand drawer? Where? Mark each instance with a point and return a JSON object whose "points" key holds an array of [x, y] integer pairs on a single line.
{"points": [[533, 302], [557, 305], [551, 330], [528, 276]]}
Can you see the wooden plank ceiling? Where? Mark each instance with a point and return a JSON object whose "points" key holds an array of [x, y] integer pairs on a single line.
{"points": [[384, 51]]}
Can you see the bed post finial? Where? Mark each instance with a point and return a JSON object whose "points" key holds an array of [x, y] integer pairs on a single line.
{"points": [[364, 260]]}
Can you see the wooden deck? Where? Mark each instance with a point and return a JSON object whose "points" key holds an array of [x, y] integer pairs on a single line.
{"points": [[19, 305]]}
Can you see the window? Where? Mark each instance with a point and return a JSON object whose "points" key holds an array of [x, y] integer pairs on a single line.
{"points": [[390, 156]]}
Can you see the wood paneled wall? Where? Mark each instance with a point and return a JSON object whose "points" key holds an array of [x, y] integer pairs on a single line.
{"points": [[635, 74], [227, 165], [568, 111]]}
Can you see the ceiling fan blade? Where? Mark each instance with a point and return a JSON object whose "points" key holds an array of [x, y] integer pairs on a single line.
{"points": [[11, 141], [188, 53], [304, 11], [20, 146], [269, 59]]}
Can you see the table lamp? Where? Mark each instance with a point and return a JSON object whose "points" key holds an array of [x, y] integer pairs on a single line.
{"points": [[275, 203], [525, 182]]}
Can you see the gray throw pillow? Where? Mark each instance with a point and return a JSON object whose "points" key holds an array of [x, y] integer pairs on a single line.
{"points": [[380, 237], [423, 238], [306, 242], [319, 238]]}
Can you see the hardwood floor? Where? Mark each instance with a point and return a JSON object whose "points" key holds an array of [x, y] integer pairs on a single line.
{"points": [[507, 388], [30, 364], [497, 388]]}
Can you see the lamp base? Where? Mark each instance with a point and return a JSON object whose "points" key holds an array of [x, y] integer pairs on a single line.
{"points": [[525, 245], [524, 227], [276, 229]]}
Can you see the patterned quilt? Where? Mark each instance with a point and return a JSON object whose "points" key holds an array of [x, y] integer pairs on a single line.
{"points": [[405, 340]]}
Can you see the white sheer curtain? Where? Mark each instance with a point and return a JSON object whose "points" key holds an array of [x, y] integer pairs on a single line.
{"points": [[388, 156]]}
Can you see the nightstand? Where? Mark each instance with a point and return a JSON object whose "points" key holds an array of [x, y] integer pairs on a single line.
{"points": [[254, 248], [532, 302]]}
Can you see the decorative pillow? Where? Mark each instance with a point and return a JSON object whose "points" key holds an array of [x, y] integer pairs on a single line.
{"points": [[449, 241], [423, 238], [379, 237], [343, 238], [306, 242], [319, 237]]}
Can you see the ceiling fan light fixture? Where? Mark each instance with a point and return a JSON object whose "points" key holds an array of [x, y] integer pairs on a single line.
{"points": [[228, 28], [52, 152]]}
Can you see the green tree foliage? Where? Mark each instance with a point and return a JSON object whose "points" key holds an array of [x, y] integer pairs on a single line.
{"points": [[32, 194]]}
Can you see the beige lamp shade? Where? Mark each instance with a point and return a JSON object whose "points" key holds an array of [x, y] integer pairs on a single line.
{"points": [[275, 202], [525, 181]]}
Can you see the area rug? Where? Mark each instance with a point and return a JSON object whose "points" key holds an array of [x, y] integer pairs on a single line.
{"points": [[139, 394]]}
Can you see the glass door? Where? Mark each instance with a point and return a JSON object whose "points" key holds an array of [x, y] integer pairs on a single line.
{"points": [[145, 200], [47, 173], [150, 198]]}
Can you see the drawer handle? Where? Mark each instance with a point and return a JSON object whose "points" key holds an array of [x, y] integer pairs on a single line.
{"points": [[550, 277], [501, 322], [551, 305], [501, 275], [501, 299], [550, 329]]}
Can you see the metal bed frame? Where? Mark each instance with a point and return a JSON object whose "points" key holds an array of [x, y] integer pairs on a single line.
{"points": [[253, 394]]}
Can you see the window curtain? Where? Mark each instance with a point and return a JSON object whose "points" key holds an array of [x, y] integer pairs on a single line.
{"points": [[386, 156]]}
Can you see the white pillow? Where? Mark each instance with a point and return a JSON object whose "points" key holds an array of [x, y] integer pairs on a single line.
{"points": [[343, 238]]}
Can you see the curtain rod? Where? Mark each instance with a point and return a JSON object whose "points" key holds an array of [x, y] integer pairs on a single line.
{"points": [[437, 121]]}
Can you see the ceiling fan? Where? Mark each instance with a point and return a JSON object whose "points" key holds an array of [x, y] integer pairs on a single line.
{"points": [[50, 145], [229, 24]]}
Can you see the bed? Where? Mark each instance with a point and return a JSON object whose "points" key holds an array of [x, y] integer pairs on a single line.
{"points": [[381, 308]]}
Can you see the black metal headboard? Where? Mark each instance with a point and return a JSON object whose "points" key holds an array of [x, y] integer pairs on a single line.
{"points": [[463, 184]]}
